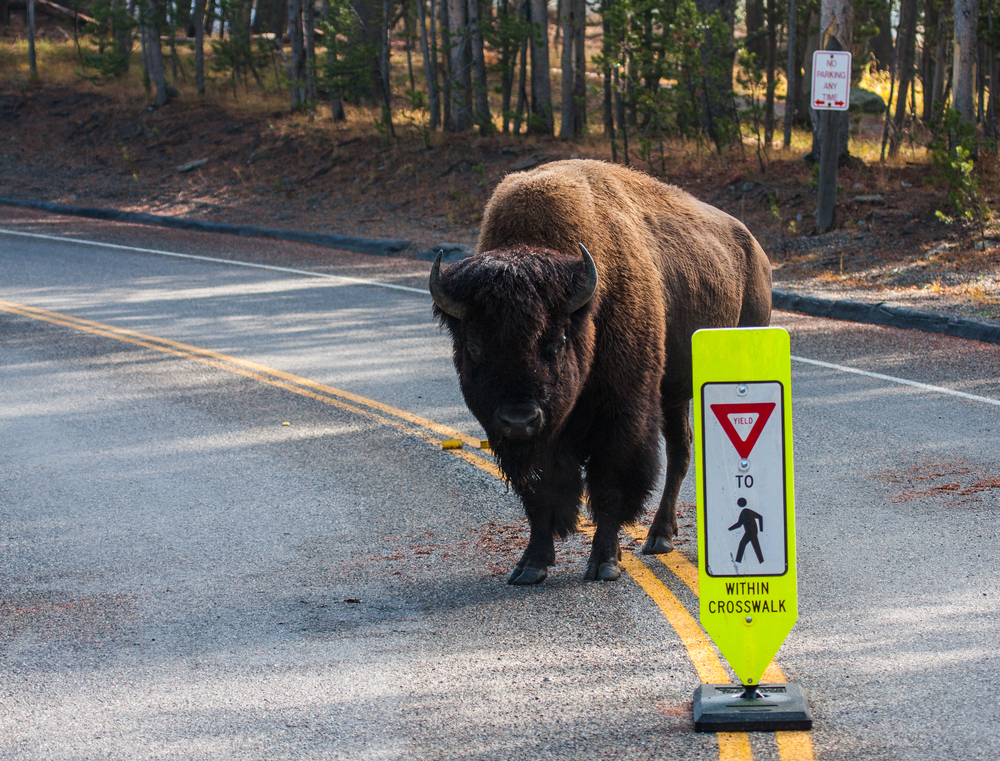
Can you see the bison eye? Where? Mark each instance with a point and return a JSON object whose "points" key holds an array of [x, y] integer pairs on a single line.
{"points": [[475, 351], [559, 345]]}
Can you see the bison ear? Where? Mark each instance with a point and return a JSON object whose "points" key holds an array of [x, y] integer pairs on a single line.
{"points": [[589, 287], [444, 302]]}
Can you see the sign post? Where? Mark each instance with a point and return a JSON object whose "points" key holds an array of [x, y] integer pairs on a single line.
{"points": [[746, 523]]}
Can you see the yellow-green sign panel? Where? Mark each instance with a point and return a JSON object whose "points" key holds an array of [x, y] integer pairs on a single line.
{"points": [[746, 495]]}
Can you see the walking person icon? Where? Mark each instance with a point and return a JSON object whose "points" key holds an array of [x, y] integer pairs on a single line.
{"points": [[749, 520]]}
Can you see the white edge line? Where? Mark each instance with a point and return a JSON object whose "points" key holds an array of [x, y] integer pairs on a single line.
{"points": [[214, 260], [903, 381], [407, 289]]}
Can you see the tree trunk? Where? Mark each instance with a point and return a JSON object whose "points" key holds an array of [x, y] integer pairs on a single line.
{"points": [[460, 59], [940, 63], [430, 66], [791, 77], [32, 63], [837, 26], [385, 72], [566, 10], [297, 62], [964, 65], [199, 45], [772, 63], [756, 42], [508, 61], [309, 37], [609, 114], [580, 69], [928, 45], [522, 79], [906, 40], [541, 121], [881, 44], [446, 73], [481, 98], [154, 52]]}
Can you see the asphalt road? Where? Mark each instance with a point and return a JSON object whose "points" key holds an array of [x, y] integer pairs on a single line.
{"points": [[204, 559]]}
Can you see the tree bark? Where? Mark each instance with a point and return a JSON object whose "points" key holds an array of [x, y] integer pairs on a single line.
{"points": [[566, 11], [609, 114], [964, 64], [481, 98], [446, 73], [430, 66], [541, 121], [756, 43], [154, 51], [906, 40], [460, 58], [772, 63], [580, 69], [791, 77], [940, 63], [385, 72], [881, 44], [930, 30], [297, 62], [199, 45], [309, 37], [32, 63]]}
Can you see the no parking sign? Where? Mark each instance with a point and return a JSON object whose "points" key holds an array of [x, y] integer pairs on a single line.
{"points": [[746, 521]]}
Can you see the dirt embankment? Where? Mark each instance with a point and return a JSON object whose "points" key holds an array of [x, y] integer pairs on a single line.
{"points": [[88, 146]]}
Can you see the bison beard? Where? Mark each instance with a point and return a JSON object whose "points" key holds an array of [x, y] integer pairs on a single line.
{"points": [[572, 329]]}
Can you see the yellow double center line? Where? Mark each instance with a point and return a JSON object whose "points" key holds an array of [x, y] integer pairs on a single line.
{"points": [[733, 746]]}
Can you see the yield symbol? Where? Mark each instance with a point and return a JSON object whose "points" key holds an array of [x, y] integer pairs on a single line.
{"points": [[749, 417]]}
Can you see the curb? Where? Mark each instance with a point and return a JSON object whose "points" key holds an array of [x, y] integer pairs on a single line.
{"points": [[852, 311], [328, 240], [880, 314]]}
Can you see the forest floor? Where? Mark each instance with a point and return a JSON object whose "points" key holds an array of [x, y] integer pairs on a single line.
{"points": [[84, 145]]}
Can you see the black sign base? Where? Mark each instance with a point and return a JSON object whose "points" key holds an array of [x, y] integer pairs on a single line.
{"points": [[734, 708]]}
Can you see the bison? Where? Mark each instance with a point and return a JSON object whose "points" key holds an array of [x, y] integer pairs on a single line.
{"points": [[571, 328]]}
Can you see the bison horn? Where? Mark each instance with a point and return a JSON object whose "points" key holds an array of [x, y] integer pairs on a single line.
{"points": [[589, 288], [445, 303]]}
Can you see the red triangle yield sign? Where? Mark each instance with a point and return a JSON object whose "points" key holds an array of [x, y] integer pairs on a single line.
{"points": [[743, 446]]}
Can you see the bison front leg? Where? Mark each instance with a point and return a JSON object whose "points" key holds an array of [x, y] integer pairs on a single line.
{"points": [[677, 432], [605, 553], [534, 564], [619, 486], [552, 509]]}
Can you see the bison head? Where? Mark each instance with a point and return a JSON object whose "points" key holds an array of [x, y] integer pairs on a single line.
{"points": [[521, 320]]}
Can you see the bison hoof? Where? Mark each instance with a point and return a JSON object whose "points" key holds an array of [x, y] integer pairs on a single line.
{"points": [[529, 575], [605, 572], [657, 545]]}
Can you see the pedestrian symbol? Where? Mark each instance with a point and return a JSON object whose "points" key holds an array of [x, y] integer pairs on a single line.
{"points": [[748, 520]]}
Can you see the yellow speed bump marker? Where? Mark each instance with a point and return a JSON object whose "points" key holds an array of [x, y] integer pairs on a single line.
{"points": [[746, 523], [451, 444]]}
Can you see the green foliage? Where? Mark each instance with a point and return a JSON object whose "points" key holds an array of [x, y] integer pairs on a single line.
{"points": [[347, 68], [112, 21], [651, 42], [951, 154]]}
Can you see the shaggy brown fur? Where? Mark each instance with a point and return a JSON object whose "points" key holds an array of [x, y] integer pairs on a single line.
{"points": [[593, 388]]}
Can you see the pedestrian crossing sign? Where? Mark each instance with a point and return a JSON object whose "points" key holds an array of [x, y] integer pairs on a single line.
{"points": [[745, 493]]}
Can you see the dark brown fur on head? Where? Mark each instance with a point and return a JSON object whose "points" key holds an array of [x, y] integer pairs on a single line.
{"points": [[518, 345]]}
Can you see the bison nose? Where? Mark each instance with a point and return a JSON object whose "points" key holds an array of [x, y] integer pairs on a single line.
{"points": [[520, 421]]}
